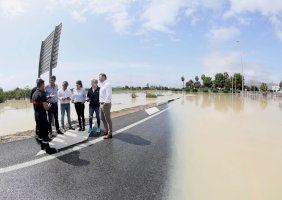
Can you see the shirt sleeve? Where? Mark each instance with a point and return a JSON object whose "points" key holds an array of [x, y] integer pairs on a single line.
{"points": [[108, 96], [60, 95]]}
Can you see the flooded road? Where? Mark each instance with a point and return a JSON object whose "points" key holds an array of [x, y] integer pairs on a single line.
{"points": [[16, 116], [226, 147]]}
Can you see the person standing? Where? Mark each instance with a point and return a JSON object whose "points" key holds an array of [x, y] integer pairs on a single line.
{"points": [[36, 128], [105, 101], [52, 98], [40, 106], [64, 95], [78, 98], [94, 105]]}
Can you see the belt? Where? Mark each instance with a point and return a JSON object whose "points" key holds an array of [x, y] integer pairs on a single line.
{"points": [[37, 103]]}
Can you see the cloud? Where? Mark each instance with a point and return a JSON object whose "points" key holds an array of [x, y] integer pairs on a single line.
{"points": [[223, 34], [230, 62], [79, 15], [12, 8], [116, 11], [272, 10]]}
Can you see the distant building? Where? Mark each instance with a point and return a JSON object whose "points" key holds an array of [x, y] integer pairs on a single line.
{"points": [[275, 88]]}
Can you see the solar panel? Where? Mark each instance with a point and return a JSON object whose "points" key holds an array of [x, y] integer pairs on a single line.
{"points": [[49, 51]]}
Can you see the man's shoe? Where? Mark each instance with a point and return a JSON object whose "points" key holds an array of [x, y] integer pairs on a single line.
{"points": [[60, 132], [105, 133], [50, 150], [83, 129], [71, 128], [80, 129], [98, 131], [109, 136], [90, 130]]}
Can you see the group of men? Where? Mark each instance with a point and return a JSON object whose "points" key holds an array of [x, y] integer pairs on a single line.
{"points": [[45, 103]]}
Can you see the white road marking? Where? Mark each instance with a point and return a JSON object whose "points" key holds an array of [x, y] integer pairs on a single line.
{"points": [[152, 110], [68, 139], [70, 150]]}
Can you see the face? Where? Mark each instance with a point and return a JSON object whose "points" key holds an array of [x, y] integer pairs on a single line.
{"points": [[94, 85], [65, 86], [42, 87], [52, 81], [101, 78], [78, 86]]}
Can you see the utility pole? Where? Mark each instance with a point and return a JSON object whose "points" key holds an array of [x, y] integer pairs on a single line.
{"points": [[241, 65]]}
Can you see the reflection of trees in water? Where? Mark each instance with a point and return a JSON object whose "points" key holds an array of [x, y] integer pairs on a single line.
{"points": [[238, 104], [222, 103], [15, 105], [263, 103], [206, 101]]}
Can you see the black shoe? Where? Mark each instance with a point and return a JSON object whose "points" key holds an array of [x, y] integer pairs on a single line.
{"points": [[60, 132], [48, 149], [71, 128], [80, 129], [83, 129]]}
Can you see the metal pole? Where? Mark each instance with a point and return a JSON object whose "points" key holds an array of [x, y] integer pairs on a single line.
{"points": [[241, 65]]}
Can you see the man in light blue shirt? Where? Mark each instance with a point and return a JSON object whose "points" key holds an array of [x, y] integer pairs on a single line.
{"points": [[52, 98]]}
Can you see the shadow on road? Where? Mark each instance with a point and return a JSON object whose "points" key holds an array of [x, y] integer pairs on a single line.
{"points": [[73, 159], [132, 139]]}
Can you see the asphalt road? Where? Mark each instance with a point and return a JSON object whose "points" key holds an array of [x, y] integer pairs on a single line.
{"points": [[133, 165]]}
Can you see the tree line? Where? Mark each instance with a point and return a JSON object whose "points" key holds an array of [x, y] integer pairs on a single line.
{"points": [[221, 82]]}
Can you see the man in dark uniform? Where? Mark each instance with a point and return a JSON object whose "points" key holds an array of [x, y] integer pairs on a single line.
{"points": [[40, 105], [31, 94]]}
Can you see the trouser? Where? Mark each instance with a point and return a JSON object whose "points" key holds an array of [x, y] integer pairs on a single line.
{"points": [[53, 112], [36, 128], [42, 126], [106, 117], [79, 107], [65, 108], [97, 113]]}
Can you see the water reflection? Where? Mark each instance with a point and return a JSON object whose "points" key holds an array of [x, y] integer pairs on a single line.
{"points": [[226, 147]]}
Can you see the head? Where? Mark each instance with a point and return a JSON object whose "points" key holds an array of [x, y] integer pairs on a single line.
{"points": [[52, 80], [40, 84], [65, 85], [102, 77], [78, 84], [94, 83]]}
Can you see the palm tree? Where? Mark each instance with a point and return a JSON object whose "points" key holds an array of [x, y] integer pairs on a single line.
{"points": [[182, 79]]}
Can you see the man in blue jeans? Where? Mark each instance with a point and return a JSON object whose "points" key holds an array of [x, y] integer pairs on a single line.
{"points": [[64, 95], [94, 105]]}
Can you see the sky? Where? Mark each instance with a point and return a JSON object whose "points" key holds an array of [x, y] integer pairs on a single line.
{"points": [[136, 42]]}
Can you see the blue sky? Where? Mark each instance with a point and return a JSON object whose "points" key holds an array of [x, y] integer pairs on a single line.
{"points": [[142, 41]]}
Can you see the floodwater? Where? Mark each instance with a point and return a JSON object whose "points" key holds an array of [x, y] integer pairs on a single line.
{"points": [[18, 116], [226, 147]]}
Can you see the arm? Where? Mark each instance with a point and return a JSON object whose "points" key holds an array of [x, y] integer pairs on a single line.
{"points": [[108, 93], [46, 105], [60, 97]]}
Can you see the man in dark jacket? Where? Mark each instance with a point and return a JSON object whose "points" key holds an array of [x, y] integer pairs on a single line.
{"points": [[94, 105]]}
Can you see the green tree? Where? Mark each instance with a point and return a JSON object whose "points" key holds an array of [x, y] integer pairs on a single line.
{"points": [[263, 87], [219, 80], [190, 84], [182, 79], [237, 79], [207, 82], [197, 83], [254, 88]]}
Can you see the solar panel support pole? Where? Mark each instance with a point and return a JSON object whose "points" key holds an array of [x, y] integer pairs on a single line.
{"points": [[53, 45]]}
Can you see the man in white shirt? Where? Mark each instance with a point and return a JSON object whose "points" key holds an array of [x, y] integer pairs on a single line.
{"points": [[64, 95], [105, 108]]}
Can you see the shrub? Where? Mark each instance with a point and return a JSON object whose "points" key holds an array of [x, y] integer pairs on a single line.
{"points": [[151, 95]]}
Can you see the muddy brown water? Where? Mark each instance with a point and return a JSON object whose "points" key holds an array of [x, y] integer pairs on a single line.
{"points": [[226, 147]]}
